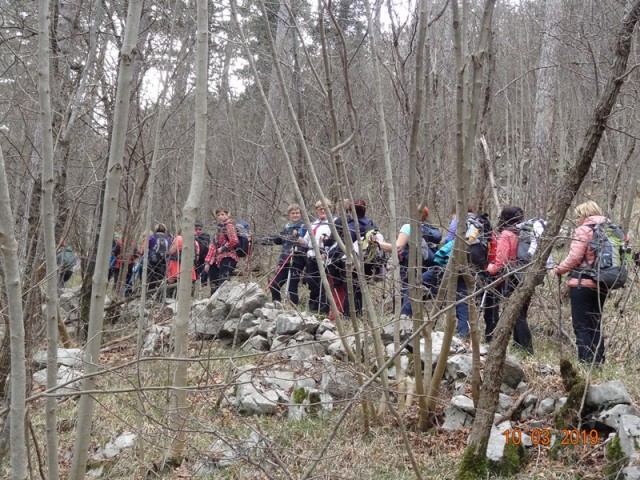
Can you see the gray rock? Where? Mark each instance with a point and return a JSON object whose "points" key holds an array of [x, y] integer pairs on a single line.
{"points": [[223, 454], [607, 394], [325, 325], [459, 366], [611, 417], [463, 403], [512, 373], [280, 379], [71, 357], [546, 407], [257, 343], [454, 419], [495, 448], [290, 324], [629, 435], [327, 337], [259, 403], [530, 400], [527, 412], [631, 473], [266, 327], [65, 375], [113, 449], [158, 339], [406, 329], [340, 384], [505, 402], [337, 350], [239, 298], [209, 322]]}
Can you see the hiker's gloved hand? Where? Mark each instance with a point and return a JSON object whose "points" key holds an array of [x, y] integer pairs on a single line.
{"points": [[484, 277], [206, 267]]}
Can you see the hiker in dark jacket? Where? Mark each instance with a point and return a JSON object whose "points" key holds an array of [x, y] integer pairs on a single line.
{"points": [[203, 239], [293, 256], [66, 261], [157, 249], [359, 226], [587, 297], [222, 258]]}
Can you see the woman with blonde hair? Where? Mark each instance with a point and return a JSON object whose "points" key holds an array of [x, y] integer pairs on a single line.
{"points": [[587, 296]]}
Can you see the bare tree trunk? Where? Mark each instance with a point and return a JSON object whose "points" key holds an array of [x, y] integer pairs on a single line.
{"points": [[474, 462], [48, 225], [178, 400], [541, 161], [9, 248], [268, 165], [391, 194], [114, 175]]}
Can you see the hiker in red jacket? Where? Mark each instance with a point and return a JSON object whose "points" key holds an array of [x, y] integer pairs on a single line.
{"points": [[222, 258]]}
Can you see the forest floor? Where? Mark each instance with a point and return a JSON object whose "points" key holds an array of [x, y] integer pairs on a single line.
{"points": [[354, 452]]}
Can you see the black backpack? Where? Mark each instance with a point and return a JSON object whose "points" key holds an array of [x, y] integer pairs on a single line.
{"points": [[159, 252], [478, 236], [203, 240], [244, 238]]}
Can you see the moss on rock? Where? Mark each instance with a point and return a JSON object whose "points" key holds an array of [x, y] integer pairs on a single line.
{"points": [[616, 459], [568, 416], [299, 395], [473, 466]]}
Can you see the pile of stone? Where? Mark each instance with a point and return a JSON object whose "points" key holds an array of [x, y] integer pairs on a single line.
{"points": [[307, 373]]}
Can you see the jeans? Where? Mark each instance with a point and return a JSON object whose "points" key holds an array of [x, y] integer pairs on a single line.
{"points": [[431, 279], [586, 315]]}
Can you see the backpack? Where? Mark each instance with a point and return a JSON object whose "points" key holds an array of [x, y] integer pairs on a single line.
{"points": [[431, 238], [431, 235], [478, 236], [529, 232], [203, 240], [244, 238], [68, 259], [159, 252], [609, 267]]}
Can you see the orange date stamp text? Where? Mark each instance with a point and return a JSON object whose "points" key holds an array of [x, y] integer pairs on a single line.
{"points": [[544, 437]]}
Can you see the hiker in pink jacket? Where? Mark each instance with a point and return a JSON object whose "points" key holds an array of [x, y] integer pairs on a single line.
{"points": [[587, 299]]}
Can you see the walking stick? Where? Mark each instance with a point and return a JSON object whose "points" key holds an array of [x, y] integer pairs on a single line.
{"points": [[560, 334], [284, 264], [626, 298]]}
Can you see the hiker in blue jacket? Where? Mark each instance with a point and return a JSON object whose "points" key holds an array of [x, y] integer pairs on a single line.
{"points": [[293, 256]]}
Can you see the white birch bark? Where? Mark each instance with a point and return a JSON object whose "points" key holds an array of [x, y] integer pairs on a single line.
{"points": [[48, 226], [181, 325], [112, 187]]}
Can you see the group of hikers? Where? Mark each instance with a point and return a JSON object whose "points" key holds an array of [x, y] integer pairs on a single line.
{"points": [[596, 264], [495, 258]]}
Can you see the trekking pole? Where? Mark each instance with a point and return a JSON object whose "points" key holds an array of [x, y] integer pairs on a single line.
{"points": [[560, 334], [284, 264], [626, 298]]}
